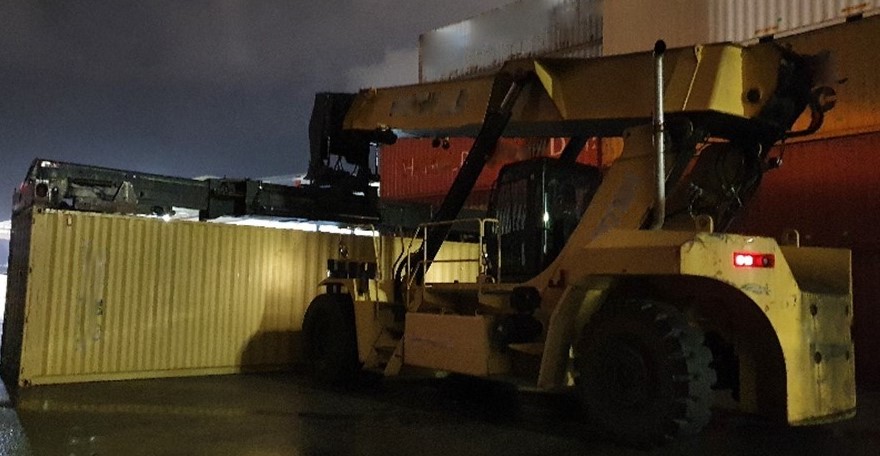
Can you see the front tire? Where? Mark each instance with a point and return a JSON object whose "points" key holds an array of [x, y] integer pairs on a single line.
{"points": [[643, 373], [330, 340]]}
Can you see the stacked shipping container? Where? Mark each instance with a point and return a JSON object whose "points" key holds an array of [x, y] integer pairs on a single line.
{"points": [[417, 170], [526, 28], [689, 22], [590, 28]]}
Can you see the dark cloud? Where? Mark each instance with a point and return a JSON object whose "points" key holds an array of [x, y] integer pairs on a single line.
{"points": [[220, 87]]}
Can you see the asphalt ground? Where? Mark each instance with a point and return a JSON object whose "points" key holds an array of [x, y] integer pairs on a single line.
{"points": [[284, 414]]}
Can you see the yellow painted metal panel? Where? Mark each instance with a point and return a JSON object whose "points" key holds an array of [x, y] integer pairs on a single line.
{"points": [[854, 46], [115, 297], [706, 78], [709, 78], [855, 49], [454, 343], [810, 313]]}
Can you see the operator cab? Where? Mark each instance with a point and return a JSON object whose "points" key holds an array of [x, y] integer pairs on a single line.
{"points": [[538, 204]]}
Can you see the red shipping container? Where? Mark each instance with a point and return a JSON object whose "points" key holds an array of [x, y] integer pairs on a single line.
{"points": [[414, 169], [829, 191]]}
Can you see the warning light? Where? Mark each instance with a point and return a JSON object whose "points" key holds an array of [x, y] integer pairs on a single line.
{"points": [[753, 260]]}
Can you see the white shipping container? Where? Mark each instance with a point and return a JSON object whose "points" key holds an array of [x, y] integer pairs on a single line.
{"points": [[631, 26], [590, 28], [523, 29]]}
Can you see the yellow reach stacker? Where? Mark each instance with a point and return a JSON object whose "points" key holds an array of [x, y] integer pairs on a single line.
{"points": [[620, 284]]}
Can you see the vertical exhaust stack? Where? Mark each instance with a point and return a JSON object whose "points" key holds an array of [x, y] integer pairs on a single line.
{"points": [[659, 133]]}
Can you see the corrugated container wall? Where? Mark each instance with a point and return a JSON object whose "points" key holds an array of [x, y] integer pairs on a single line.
{"points": [[523, 29], [590, 28], [828, 191], [124, 297], [103, 297], [415, 170], [632, 26]]}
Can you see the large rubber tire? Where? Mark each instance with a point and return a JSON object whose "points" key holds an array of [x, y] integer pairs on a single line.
{"points": [[643, 373], [330, 340]]}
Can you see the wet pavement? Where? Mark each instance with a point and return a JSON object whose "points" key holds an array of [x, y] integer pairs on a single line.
{"points": [[282, 414]]}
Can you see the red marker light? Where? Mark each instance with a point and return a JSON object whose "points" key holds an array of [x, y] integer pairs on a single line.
{"points": [[754, 260]]}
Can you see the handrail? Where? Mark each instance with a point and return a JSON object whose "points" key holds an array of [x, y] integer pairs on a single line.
{"points": [[483, 255]]}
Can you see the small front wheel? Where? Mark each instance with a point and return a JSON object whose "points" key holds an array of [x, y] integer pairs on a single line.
{"points": [[330, 340]]}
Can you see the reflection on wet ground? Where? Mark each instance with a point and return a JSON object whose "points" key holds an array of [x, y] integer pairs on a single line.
{"points": [[281, 414]]}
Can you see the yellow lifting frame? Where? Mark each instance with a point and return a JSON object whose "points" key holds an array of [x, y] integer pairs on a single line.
{"points": [[578, 96]]}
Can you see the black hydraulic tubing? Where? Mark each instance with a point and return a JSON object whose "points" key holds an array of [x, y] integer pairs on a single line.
{"points": [[573, 149]]}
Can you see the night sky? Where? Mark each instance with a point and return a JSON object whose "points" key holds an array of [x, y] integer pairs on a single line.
{"points": [[191, 88]]}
